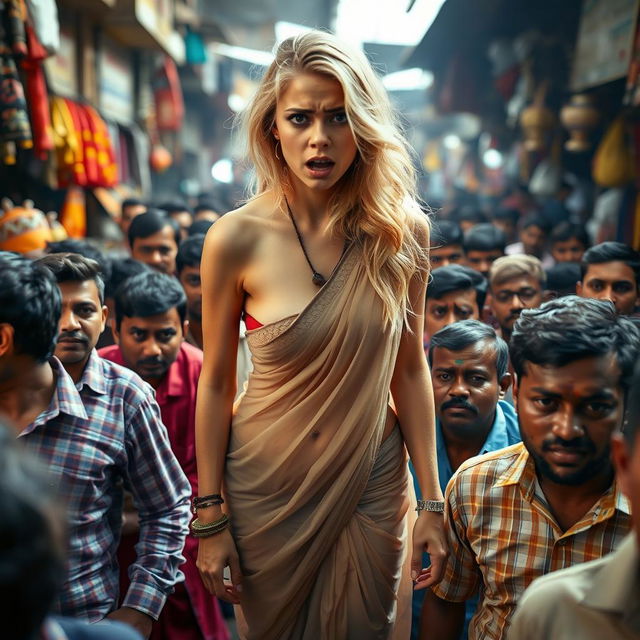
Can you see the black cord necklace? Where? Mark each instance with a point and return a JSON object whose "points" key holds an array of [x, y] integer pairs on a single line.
{"points": [[318, 279]]}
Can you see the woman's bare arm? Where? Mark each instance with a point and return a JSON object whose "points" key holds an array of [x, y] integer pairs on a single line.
{"points": [[413, 399], [223, 260]]}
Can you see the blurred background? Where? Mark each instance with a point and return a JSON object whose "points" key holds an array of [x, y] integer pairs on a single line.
{"points": [[529, 105]]}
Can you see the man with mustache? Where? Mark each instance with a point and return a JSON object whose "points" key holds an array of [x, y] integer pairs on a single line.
{"points": [[551, 501], [97, 428], [515, 283], [468, 371], [149, 330]]}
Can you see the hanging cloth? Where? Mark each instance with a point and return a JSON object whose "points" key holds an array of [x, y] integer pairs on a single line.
{"points": [[168, 97], [13, 15], [66, 141], [37, 96]]}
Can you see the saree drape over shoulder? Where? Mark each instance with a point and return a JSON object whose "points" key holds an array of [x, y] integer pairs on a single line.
{"points": [[318, 500]]}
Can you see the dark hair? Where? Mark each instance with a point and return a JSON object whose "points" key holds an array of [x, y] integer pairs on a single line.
{"points": [[122, 270], [562, 278], [131, 202], [534, 220], [31, 559], [200, 227], [484, 237], [610, 252], [567, 230], [150, 222], [148, 294], [445, 233], [30, 302], [206, 205], [459, 335], [571, 328], [456, 277], [190, 252], [470, 214], [174, 207], [72, 267], [508, 215], [83, 248]]}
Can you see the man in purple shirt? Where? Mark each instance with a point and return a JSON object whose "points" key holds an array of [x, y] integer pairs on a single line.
{"points": [[95, 437]]}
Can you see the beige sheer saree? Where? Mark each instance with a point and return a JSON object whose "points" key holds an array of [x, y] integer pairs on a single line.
{"points": [[318, 501]]}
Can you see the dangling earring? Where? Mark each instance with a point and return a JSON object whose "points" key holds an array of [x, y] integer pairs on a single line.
{"points": [[275, 151]]}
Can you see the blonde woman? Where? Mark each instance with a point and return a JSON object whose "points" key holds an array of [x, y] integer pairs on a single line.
{"points": [[327, 264]]}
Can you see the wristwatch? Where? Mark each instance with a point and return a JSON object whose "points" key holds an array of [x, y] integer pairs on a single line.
{"points": [[437, 506]]}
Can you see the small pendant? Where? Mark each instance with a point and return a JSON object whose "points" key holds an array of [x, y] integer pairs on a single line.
{"points": [[318, 279]]}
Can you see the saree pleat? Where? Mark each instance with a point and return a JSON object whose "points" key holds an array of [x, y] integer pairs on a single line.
{"points": [[318, 500]]}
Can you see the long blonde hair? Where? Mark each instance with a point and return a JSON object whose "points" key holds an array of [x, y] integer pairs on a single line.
{"points": [[374, 204]]}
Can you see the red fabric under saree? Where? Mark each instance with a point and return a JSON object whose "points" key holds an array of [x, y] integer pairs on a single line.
{"points": [[318, 500]]}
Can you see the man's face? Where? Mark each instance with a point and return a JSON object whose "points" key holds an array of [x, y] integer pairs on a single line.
{"points": [[570, 250], [533, 239], [512, 296], [82, 321], [150, 345], [505, 225], [443, 256], [451, 307], [482, 260], [158, 250], [614, 281], [190, 281], [184, 221], [466, 388], [128, 214], [567, 415]]}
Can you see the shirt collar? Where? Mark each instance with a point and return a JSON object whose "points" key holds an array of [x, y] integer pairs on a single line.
{"points": [[93, 375], [523, 472], [496, 439], [66, 398], [173, 384], [615, 587]]}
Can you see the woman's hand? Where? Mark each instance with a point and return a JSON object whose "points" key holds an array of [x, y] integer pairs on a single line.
{"points": [[428, 535], [214, 554]]}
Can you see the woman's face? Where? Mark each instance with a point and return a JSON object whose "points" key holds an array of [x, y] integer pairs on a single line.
{"points": [[315, 138]]}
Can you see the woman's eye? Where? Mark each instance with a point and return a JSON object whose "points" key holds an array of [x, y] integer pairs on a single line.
{"points": [[340, 118], [298, 118]]}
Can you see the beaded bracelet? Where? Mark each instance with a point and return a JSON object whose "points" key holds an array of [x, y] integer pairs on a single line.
{"points": [[202, 502], [199, 530]]}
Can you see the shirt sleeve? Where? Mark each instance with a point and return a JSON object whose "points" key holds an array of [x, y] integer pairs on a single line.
{"points": [[161, 493], [462, 575]]}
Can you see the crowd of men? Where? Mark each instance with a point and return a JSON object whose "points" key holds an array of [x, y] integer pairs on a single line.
{"points": [[531, 339]]}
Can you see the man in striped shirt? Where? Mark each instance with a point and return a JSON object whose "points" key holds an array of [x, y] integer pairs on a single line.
{"points": [[95, 437], [550, 502]]}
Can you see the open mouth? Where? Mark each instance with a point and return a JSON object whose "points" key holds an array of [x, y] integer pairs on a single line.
{"points": [[320, 166]]}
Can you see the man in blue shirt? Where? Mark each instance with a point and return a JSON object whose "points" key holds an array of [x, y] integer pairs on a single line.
{"points": [[469, 370]]}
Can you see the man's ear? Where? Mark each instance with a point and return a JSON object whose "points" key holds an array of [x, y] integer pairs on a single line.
{"points": [[621, 457], [505, 383], [6, 339], [116, 333], [185, 329], [105, 316], [579, 288]]}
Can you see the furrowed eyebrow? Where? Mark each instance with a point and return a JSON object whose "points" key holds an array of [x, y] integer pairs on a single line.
{"points": [[296, 110]]}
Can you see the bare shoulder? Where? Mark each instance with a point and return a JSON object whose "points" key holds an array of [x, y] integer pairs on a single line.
{"points": [[235, 237], [421, 227]]}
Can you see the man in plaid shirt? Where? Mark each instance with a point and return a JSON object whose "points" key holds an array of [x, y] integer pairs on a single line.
{"points": [[551, 501], [95, 438]]}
